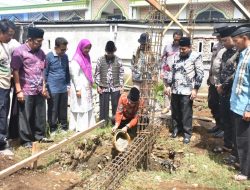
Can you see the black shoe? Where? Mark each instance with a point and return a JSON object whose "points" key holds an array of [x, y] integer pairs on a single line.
{"points": [[214, 129], [27, 145], [174, 135], [186, 140]]}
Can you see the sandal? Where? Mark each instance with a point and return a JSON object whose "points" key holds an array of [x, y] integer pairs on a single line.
{"points": [[227, 149], [240, 177]]}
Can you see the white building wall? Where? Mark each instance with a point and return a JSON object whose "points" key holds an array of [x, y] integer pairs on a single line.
{"points": [[125, 37]]}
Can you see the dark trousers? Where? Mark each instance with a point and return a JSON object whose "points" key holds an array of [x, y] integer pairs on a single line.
{"points": [[57, 110], [13, 124], [214, 103], [243, 143], [226, 122], [4, 110], [32, 118], [182, 114], [104, 104]]}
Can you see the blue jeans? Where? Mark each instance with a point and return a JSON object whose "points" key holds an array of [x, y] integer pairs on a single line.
{"points": [[4, 110]]}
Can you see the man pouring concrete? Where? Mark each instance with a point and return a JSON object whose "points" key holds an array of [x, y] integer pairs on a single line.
{"points": [[127, 116]]}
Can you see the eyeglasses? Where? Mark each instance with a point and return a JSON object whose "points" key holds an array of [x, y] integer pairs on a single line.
{"points": [[38, 41], [63, 50]]}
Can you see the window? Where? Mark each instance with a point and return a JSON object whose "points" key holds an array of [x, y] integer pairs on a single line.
{"points": [[49, 45], [211, 46], [200, 46], [210, 15]]}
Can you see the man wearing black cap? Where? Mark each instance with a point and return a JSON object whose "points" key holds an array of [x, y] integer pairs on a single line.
{"points": [[213, 81], [138, 60], [227, 70], [184, 80], [240, 101], [109, 74], [126, 117], [28, 64]]}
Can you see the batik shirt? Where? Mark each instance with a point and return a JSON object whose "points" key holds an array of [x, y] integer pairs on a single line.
{"points": [[138, 65], [228, 66], [186, 74], [170, 51], [110, 79], [31, 65]]}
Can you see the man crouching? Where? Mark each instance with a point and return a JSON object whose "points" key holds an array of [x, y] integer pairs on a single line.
{"points": [[126, 117]]}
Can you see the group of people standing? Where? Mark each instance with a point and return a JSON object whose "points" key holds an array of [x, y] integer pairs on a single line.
{"points": [[39, 77], [228, 94], [228, 98], [52, 78]]}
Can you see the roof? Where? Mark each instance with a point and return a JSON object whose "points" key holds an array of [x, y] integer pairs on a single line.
{"points": [[29, 6]]}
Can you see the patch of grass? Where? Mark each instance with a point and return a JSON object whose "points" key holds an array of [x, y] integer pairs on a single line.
{"points": [[159, 92], [21, 153], [204, 169], [102, 130]]}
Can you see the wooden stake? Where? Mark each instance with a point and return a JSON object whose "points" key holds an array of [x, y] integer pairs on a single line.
{"points": [[176, 16], [12, 169], [158, 6], [35, 150]]}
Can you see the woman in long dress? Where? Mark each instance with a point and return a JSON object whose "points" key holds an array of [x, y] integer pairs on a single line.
{"points": [[81, 100]]}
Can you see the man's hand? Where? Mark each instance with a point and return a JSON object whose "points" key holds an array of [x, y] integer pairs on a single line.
{"points": [[246, 116], [45, 93], [114, 128], [167, 91], [121, 89], [193, 94], [219, 89], [78, 94], [99, 90], [20, 97], [125, 129]]}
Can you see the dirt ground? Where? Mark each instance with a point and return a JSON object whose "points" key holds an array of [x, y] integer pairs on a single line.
{"points": [[70, 167]]}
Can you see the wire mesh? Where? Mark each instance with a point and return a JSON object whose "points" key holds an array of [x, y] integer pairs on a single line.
{"points": [[138, 152]]}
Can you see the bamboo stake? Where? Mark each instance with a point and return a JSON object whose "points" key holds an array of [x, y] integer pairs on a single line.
{"points": [[166, 12], [176, 16]]}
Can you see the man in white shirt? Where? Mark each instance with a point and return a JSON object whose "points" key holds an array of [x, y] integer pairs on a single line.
{"points": [[7, 31]]}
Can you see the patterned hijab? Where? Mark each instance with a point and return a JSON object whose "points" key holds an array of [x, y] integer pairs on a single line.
{"points": [[84, 60]]}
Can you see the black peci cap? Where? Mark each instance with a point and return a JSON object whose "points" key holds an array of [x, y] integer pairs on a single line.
{"points": [[34, 32], [240, 31], [227, 31], [143, 38], [134, 94], [218, 28], [185, 41]]}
